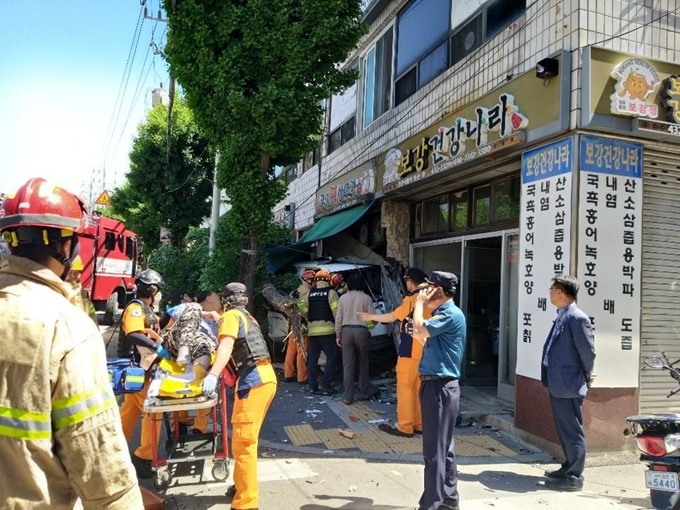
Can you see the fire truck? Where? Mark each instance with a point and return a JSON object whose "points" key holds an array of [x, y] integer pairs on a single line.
{"points": [[111, 255]]}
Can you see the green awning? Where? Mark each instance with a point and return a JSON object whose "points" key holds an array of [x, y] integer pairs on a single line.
{"points": [[281, 256], [331, 225]]}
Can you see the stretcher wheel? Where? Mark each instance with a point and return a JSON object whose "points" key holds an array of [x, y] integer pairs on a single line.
{"points": [[162, 478], [220, 470]]}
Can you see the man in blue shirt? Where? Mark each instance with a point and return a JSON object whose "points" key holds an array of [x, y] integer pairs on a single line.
{"points": [[443, 337]]}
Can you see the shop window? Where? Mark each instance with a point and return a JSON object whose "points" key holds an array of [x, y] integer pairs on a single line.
{"points": [[421, 56], [312, 158], [342, 135], [435, 215], [506, 199], [501, 14], [378, 78], [481, 214], [459, 210], [433, 65], [467, 39], [406, 86]]}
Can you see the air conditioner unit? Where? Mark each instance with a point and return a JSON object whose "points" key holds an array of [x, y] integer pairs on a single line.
{"points": [[467, 39]]}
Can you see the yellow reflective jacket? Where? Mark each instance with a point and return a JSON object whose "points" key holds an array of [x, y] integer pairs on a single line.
{"points": [[60, 432], [320, 327]]}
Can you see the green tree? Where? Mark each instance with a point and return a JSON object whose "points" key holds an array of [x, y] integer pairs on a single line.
{"points": [[157, 195], [255, 73]]}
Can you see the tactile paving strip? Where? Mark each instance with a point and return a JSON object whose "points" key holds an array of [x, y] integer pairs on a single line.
{"points": [[301, 435], [481, 446], [336, 441]]}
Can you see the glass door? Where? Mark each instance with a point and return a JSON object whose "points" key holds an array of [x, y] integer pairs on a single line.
{"points": [[508, 323], [482, 305]]}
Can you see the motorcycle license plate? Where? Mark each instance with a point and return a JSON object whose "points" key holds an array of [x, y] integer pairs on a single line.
{"points": [[661, 481]]}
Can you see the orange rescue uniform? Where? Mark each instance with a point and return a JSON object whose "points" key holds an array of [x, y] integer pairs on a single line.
{"points": [[133, 320], [409, 416], [254, 392]]}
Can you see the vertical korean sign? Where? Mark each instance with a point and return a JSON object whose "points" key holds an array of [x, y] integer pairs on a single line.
{"points": [[610, 253], [544, 248]]}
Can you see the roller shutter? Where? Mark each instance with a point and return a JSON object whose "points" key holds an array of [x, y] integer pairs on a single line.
{"points": [[660, 330]]}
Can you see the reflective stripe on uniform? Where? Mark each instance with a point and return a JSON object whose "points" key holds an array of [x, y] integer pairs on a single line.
{"points": [[334, 304], [320, 329], [21, 424], [80, 407], [303, 306]]}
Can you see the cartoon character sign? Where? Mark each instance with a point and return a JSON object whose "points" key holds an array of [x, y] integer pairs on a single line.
{"points": [[636, 79], [392, 164]]}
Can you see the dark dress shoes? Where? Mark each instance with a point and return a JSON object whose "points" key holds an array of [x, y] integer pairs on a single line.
{"points": [[564, 484], [558, 473], [386, 427]]}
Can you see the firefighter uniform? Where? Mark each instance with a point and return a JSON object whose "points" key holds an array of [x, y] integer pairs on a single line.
{"points": [[60, 436], [255, 389], [136, 318], [319, 309], [295, 361]]}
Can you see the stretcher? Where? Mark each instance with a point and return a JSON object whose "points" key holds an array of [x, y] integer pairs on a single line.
{"points": [[190, 447]]}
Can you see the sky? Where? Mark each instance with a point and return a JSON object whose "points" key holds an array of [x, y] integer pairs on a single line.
{"points": [[65, 112]]}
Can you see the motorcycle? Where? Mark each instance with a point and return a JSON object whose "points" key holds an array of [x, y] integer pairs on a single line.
{"points": [[657, 437]]}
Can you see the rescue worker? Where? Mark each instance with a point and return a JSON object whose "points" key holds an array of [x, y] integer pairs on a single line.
{"points": [[60, 437], [139, 338], [242, 345], [409, 417], [338, 284], [319, 308], [81, 299], [295, 361]]}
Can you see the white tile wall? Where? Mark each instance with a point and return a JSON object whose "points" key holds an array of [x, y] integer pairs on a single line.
{"points": [[548, 26], [302, 191]]}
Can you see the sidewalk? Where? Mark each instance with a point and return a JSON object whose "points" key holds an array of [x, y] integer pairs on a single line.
{"points": [[301, 422]]}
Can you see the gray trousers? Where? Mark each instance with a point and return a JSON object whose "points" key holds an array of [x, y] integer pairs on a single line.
{"points": [[440, 403], [355, 344], [569, 424]]}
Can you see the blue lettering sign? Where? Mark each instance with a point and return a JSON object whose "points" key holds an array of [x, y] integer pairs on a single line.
{"points": [[608, 156], [547, 161]]}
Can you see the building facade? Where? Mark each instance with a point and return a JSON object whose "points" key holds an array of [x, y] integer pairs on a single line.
{"points": [[509, 142]]}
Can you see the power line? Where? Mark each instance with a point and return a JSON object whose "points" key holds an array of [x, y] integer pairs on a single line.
{"points": [[411, 112], [138, 88], [133, 46]]}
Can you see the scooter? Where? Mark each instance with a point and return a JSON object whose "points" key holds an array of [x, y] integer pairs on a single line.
{"points": [[657, 437]]}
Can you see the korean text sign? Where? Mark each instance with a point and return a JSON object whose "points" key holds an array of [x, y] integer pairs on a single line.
{"points": [[545, 226], [609, 254]]}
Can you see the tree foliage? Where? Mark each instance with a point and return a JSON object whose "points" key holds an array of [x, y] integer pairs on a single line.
{"points": [[255, 72], [155, 194]]}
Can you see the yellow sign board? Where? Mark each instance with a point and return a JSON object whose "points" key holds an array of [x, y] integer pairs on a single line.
{"points": [[104, 199]]}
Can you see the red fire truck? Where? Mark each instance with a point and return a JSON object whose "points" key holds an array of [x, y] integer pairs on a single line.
{"points": [[111, 256]]}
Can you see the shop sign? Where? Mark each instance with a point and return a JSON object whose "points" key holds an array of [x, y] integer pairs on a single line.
{"points": [[347, 193], [670, 94], [544, 247], [635, 79], [609, 254], [449, 146]]}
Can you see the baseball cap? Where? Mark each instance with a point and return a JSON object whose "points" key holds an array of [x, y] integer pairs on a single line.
{"points": [[417, 275], [233, 288], [174, 298], [447, 281]]}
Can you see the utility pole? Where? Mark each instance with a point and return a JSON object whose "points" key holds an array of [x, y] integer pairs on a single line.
{"points": [[215, 215]]}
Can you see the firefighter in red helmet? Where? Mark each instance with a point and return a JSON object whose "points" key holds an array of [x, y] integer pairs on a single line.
{"points": [[64, 438]]}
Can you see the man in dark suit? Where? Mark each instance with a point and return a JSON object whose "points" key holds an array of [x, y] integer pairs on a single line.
{"points": [[567, 372]]}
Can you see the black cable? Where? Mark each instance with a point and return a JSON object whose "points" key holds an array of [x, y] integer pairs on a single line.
{"points": [[408, 114], [126, 78]]}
